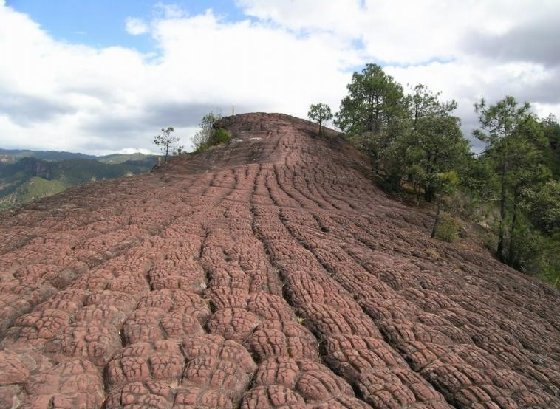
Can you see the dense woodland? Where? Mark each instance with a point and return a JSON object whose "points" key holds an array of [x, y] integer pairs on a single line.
{"points": [[511, 190]]}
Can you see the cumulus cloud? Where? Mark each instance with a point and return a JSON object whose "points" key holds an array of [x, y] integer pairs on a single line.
{"points": [[115, 97], [281, 57], [135, 26], [466, 49], [399, 31]]}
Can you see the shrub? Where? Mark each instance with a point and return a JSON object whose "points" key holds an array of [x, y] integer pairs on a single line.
{"points": [[448, 228], [548, 260], [203, 147], [219, 136]]}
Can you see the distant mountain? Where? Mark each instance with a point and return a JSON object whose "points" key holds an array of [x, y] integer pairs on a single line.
{"points": [[122, 157], [30, 175], [15, 154], [44, 155]]}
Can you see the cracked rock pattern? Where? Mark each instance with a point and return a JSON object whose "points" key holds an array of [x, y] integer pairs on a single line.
{"points": [[268, 273]]}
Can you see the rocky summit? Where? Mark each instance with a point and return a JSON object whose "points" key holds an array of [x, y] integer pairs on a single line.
{"points": [[267, 273]]}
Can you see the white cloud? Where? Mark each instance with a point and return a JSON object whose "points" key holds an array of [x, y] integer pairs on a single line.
{"points": [[441, 44], [246, 63], [131, 151], [401, 31], [136, 26], [57, 95], [115, 97], [169, 10]]}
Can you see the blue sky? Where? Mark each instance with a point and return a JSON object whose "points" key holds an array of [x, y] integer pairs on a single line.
{"points": [[100, 23], [104, 76]]}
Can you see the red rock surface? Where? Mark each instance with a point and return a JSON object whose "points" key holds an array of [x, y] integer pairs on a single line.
{"points": [[269, 273]]}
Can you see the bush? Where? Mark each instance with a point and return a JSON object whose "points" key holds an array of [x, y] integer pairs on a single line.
{"points": [[548, 260], [203, 147], [202, 140], [219, 136], [448, 228], [536, 253]]}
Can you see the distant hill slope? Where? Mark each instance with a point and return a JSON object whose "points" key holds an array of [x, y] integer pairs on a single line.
{"points": [[12, 155], [267, 273], [29, 178], [15, 154]]}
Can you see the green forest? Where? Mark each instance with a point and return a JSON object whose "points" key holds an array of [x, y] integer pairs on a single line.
{"points": [[510, 190]]}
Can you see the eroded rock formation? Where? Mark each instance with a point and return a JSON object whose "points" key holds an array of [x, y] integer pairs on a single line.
{"points": [[269, 273]]}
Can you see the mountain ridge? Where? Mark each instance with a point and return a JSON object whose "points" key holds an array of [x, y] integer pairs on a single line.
{"points": [[268, 273], [9, 155]]}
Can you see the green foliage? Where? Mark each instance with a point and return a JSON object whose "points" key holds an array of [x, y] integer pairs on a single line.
{"points": [[374, 114], [319, 113], [424, 103], [435, 145], [415, 143], [477, 192], [447, 182], [514, 177], [547, 259], [374, 103], [551, 130], [410, 138], [479, 180], [447, 229], [542, 203], [500, 120], [523, 244], [167, 142], [208, 135], [220, 135], [413, 140], [445, 185], [515, 142]]}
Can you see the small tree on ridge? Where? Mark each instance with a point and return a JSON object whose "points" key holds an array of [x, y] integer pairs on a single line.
{"points": [[166, 142], [319, 113]]}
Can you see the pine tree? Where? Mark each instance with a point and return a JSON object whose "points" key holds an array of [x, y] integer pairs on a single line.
{"points": [[514, 142], [319, 113], [167, 142]]}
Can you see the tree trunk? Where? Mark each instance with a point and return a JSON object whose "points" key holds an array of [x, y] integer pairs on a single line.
{"points": [[377, 125], [166, 152], [428, 193]]}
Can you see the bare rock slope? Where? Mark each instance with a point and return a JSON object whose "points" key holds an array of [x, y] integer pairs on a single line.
{"points": [[269, 273]]}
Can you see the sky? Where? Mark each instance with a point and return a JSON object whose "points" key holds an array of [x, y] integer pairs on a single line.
{"points": [[99, 76]]}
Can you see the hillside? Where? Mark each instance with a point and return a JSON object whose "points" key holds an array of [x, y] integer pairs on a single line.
{"points": [[268, 273], [12, 155], [28, 178]]}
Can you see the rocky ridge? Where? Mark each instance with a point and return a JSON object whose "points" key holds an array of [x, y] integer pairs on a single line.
{"points": [[269, 273]]}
